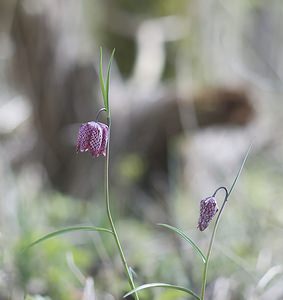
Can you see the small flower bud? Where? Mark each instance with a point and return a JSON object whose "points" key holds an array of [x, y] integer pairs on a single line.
{"points": [[208, 209], [93, 137]]}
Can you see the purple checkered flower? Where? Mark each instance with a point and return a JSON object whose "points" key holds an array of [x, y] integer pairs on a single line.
{"points": [[208, 209], [93, 137]]}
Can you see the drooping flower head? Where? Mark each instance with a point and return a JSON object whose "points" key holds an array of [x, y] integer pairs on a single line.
{"points": [[208, 209], [93, 137]]}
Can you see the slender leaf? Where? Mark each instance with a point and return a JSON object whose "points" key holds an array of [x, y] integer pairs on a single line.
{"points": [[187, 239], [163, 285], [102, 86], [66, 230], [240, 170], [108, 81]]}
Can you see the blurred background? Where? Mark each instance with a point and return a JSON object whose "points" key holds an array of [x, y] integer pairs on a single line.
{"points": [[193, 83]]}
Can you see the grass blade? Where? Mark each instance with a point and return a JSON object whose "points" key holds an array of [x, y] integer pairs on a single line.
{"points": [[66, 230], [163, 285], [108, 81], [187, 239], [102, 85], [240, 170]]}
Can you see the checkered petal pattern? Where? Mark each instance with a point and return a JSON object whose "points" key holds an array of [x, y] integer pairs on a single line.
{"points": [[208, 209], [93, 137]]}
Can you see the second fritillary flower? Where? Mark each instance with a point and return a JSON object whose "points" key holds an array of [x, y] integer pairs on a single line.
{"points": [[208, 209], [93, 137]]}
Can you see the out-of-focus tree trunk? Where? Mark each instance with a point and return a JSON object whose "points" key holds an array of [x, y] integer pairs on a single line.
{"points": [[61, 86]]}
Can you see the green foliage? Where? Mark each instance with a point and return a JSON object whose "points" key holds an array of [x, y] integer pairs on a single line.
{"points": [[156, 8], [131, 168], [237, 245], [104, 86], [163, 285], [67, 230], [36, 297], [187, 239], [48, 265]]}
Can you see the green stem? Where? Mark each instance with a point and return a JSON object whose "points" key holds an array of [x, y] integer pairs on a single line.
{"points": [[228, 193], [123, 258], [204, 275]]}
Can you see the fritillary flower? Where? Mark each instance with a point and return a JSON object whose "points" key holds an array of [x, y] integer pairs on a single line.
{"points": [[93, 137], [208, 209]]}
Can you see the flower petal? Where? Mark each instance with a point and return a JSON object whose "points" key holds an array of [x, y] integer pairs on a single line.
{"points": [[208, 209], [83, 138], [95, 138], [104, 142]]}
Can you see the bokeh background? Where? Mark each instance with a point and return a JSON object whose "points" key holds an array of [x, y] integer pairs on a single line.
{"points": [[193, 83]]}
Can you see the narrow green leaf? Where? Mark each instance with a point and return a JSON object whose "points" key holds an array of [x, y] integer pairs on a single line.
{"points": [[102, 86], [163, 285], [240, 170], [66, 230], [108, 80], [187, 239]]}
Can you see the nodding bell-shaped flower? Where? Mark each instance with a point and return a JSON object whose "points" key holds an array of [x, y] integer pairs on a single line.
{"points": [[93, 137], [208, 209]]}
